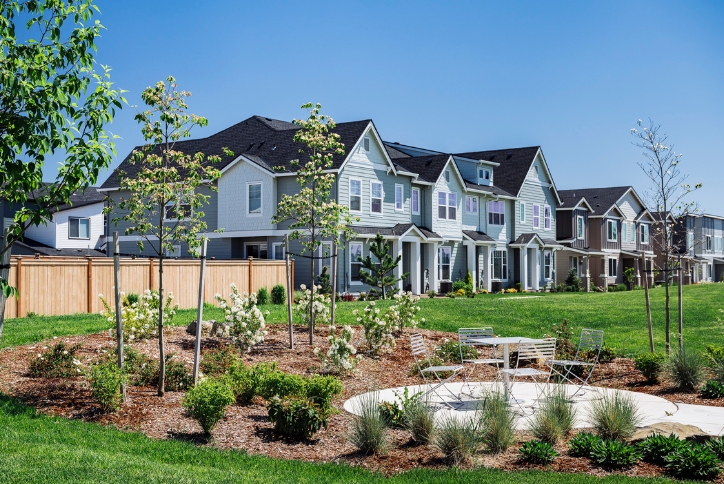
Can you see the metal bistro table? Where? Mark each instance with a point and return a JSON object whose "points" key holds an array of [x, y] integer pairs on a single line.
{"points": [[505, 342]]}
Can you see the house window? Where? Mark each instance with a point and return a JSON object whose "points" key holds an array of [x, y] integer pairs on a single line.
{"points": [[522, 212], [644, 233], [547, 217], [574, 264], [611, 230], [176, 252], [452, 206], [500, 265], [398, 197], [257, 251], [325, 251], [177, 211], [355, 195], [624, 229], [579, 227], [78, 228], [278, 251], [471, 204], [355, 254], [718, 243], [442, 205], [547, 259], [447, 205], [484, 174], [690, 240], [447, 176], [376, 197], [496, 213], [416, 201], [708, 242], [366, 144], [536, 216], [444, 254], [254, 197], [612, 267], [632, 232]]}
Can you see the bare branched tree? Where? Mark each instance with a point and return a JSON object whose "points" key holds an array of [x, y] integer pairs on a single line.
{"points": [[666, 197]]}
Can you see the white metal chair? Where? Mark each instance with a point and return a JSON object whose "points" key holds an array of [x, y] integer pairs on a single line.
{"points": [[586, 358], [419, 352], [538, 350], [467, 338]]}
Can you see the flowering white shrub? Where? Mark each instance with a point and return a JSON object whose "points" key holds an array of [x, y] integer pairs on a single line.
{"points": [[246, 320], [139, 319], [340, 356], [378, 328], [402, 313], [320, 305]]}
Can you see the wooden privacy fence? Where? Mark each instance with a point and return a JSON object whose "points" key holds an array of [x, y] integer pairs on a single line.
{"points": [[58, 286]]}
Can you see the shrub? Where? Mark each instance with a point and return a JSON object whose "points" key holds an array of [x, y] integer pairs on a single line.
{"points": [[614, 454], [511, 290], [206, 402], [139, 318], [320, 306], [621, 287], [280, 384], [219, 361], [650, 365], [460, 285], [686, 370], [132, 298], [608, 354], [339, 358], [614, 416], [324, 281], [449, 351], [378, 329], [322, 389], [57, 362], [105, 380], [419, 420], [262, 296], [431, 294], [573, 281], [537, 452], [402, 313], [655, 448], [278, 294], [518, 287], [394, 412], [347, 297], [451, 295], [368, 431], [458, 439], [296, 416], [178, 376], [712, 389], [565, 348], [554, 419], [582, 444], [694, 461], [244, 382], [716, 445], [246, 320], [714, 355], [497, 422]]}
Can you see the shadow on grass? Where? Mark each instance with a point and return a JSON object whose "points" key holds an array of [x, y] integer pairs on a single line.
{"points": [[14, 407]]}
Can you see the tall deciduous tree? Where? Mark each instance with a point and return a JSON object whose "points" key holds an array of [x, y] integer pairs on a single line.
{"points": [[54, 101], [666, 196], [378, 275], [161, 200], [314, 215]]}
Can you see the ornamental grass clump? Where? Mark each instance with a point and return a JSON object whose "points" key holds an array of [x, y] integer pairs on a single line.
{"points": [[458, 439], [57, 362], [615, 415], [105, 380], [555, 418], [368, 431], [207, 402], [686, 370], [419, 420], [247, 325], [497, 422]]}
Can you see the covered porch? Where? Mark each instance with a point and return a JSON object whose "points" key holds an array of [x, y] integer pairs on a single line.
{"points": [[535, 261]]}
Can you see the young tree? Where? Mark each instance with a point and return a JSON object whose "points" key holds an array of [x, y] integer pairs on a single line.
{"points": [[313, 214], [375, 274], [161, 201], [666, 196], [52, 102]]}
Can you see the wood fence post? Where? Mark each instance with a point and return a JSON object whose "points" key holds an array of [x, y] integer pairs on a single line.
{"points": [[90, 285], [19, 298], [251, 274]]}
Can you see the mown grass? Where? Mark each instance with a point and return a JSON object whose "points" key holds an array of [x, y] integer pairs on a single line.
{"points": [[37, 448], [622, 315]]}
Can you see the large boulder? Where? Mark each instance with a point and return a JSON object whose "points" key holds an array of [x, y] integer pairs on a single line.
{"points": [[682, 431]]}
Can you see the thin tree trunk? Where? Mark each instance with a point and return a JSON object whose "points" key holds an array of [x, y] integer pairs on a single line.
{"points": [[668, 313], [681, 306], [648, 305], [161, 352], [5, 275], [199, 312], [334, 279], [311, 305], [119, 319], [290, 292]]}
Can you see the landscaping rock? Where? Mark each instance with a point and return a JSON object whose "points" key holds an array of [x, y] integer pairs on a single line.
{"points": [[682, 431], [210, 328]]}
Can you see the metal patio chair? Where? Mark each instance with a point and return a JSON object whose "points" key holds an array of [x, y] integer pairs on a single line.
{"points": [[538, 350], [587, 354], [467, 338], [419, 352]]}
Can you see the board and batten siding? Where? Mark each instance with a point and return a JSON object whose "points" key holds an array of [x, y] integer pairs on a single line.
{"points": [[536, 190], [233, 198]]}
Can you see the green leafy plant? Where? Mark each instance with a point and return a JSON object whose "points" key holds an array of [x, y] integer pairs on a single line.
{"points": [[322, 389], [244, 382], [449, 351], [178, 375], [296, 416], [368, 431], [655, 448], [582, 444], [650, 365], [280, 384], [419, 420], [394, 412], [323, 281], [686, 370], [614, 454], [131, 299], [712, 389], [105, 380], [262, 296], [716, 445], [573, 281], [497, 422], [554, 419], [608, 354], [694, 461], [614, 416], [57, 362], [278, 294], [537, 452], [378, 274], [563, 332], [458, 439], [206, 402], [219, 361]]}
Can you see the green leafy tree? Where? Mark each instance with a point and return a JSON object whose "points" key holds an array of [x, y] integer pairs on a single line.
{"points": [[325, 286], [161, 202], [378, 275], [53, 102], [573, 281], [313, 215]]}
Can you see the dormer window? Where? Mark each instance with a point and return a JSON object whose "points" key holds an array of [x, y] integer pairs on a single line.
{"points": [[483, 174], [366, 144], [447, 176]]}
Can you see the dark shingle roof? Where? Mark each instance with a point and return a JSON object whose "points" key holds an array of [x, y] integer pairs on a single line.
{"points": [[514, 165], [395, 153], [600, 199], [488, 189], [89, 196], [395, 231], [428, 168], [478, 236], [31, 247], [267, 142]]}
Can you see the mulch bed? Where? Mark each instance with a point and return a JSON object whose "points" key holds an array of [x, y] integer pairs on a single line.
{"points": [[248, 428]]}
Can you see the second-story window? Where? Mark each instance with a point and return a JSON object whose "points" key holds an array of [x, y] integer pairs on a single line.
{"points": [[471, 204], [416, 201], [253, 198], [644, 233], [177, 212], [632, 233], [579, 227], [624, 228], [447, 205], [376, 197], [611, 230], [355, 195], [496, 213], [78, 228], [398, 197], [547, 217], [522, 212], [442, 205], [536, 216], [708, 242], [690, 240]]}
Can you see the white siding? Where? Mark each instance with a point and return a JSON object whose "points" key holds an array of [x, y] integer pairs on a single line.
{"points": [[56, 233], [233, 199], [446, 227]]}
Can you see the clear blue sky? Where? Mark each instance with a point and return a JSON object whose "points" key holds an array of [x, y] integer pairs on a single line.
{"points": [[572, 77]]}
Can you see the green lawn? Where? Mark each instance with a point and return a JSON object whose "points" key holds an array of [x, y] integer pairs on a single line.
{"points": [[36, 448], [621, 314]]}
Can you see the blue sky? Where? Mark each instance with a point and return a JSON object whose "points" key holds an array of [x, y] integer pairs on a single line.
{"points": [[572, 77]]}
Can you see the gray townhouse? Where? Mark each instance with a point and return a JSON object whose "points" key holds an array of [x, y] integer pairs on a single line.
{"points": [[492, 213], [700, 238]]}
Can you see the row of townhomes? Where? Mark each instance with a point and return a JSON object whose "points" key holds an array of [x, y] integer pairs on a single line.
{"points": [[496, 214]]}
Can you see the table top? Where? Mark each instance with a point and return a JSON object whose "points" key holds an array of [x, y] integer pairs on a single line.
{"points": [[501, 341]]}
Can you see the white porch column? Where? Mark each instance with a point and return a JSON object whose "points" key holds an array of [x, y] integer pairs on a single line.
{"points": [[536, 273], [415, 274], [488, 269], [586, 261], [638, 271], [431, 260], [524, 268], [397, 252], [472, 259]]}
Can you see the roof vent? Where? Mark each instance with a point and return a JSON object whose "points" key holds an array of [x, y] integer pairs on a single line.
{"points": [[492, 158], [260, 145], [250, 147], [268, 119], [508, 157], [273, 148]]}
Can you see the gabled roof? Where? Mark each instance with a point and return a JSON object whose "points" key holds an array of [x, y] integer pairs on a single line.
{"points": [[265, 141], [477, 236], [30, 247], [88, 196], [572, 199], [399, 230], [525, 239], [493, 190], [600, 199], [429, 168], [659, 216], [514, 165]]}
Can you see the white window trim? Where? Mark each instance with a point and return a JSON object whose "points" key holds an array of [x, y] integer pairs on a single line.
{"points": [[499, 213], [175, 253], [89, 228], [366, 144], [402, 197], [440, 264], [171, 204], [412, 205], [645, 230], [522, 212], [549, 218], [609, 221], [536, 226], [550, 266], [321, 251], [608, 270], [582, 236], [471, 198], [382, 198], [349, 201], [504, 269], [349, 267], [274, 252], [261, 197], [454, 205]]}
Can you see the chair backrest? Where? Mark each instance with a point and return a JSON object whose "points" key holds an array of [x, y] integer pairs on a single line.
{"points": [[417, 345], [543, 349], [465, 335], [591, 341]]}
